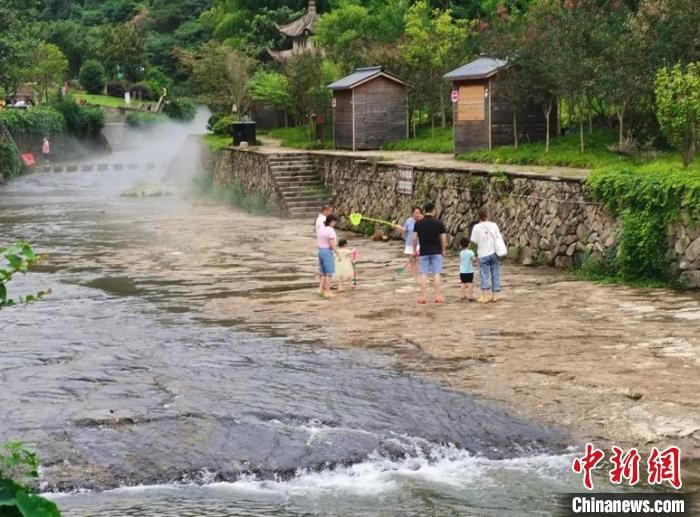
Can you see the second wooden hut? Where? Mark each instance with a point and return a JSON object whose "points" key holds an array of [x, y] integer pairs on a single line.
{"points": [[483, 115], [370, 109]]}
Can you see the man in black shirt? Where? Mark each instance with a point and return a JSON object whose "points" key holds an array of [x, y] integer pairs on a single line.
{"points": [[430, 233]]}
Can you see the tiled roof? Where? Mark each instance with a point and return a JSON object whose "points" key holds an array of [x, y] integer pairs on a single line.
{"points": [[482, 68], [362, 75], [306, 22]]}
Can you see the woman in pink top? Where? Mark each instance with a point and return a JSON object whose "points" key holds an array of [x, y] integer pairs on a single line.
{"points": [[46, 149], [327, 241]]}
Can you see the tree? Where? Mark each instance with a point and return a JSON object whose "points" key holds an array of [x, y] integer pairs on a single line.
{"points": [[308, 75], [678, 107], [271, 88], [49, 66], [351, 31], [506, 41], [221, 75], [92, 76], [123, 51], [623, 75], [16, 39], [434, 42]]}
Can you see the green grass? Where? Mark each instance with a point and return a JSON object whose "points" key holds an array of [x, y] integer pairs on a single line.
{"points": [[101, 100], [563, 151], [298, 138], [217, 142], [425, 142]]}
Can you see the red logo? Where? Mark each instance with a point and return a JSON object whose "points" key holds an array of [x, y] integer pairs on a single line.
{"points": [[665, 466], [587, 463], [661, 466]]}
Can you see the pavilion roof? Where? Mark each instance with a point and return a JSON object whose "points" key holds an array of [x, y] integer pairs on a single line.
{"points": [[303, 24]]}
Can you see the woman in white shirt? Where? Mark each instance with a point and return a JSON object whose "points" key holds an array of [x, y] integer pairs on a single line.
{"points": [[484, 235]]}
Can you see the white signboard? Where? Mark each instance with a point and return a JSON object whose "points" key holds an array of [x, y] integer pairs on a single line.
{"points": [[404, 183], [334, 102], [454, 96]]}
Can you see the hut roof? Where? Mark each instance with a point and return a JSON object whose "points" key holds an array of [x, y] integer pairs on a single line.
{"points": [[361, 76], [481, 68], [305, 23]]}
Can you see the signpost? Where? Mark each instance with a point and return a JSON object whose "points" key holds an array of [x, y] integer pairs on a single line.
{"points": [[454, 96], [404, 182], [333, 102]]}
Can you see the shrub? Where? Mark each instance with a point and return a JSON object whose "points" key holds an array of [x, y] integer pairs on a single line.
{"points": [[10, 162], [224, 126], [81, 121], [678, 107], [183, 110], [116, 89], [92, 76], [144, 119], [213, 119], [156, 80], [141, 91], [648, 199], [34, 123]]}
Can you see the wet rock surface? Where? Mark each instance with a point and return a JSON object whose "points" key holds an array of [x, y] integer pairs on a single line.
{"points": [[141, 365], [127, 375]]}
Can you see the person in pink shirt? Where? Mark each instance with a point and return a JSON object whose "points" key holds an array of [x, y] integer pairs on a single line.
{"points": [[45, 149], [327, 247]]}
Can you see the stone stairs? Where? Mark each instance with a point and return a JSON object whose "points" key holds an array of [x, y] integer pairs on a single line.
{"points": [[298, 184]]}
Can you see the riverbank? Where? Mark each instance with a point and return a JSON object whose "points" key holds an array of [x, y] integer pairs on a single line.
{"points": [[611, 363]]}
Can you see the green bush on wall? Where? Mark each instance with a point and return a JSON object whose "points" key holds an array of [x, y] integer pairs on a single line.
{"points": [[10, 162], [34, 123], [180, 109], [81, 121], [648, 200]]}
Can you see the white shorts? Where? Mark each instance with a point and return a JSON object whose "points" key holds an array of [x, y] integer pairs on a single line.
{"points": [[408, 250]]}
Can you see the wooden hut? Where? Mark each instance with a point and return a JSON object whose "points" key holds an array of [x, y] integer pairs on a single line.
{"points": [[483, 115], [370, 108]]}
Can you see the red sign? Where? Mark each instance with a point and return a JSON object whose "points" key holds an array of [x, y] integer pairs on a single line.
{"points": [[454, 96], [333, 102]]}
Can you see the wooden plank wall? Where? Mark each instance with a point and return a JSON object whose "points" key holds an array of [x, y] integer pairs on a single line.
{"points": [[342, 119], [470, 134], [380, 113]]}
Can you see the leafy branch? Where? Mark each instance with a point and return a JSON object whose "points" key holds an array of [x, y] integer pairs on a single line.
{"points": [[17, 258]]}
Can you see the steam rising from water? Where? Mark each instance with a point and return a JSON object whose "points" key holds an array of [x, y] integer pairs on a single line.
{"points": [[163, 143]]}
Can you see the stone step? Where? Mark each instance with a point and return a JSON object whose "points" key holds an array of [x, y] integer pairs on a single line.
{"points": [[303, 189], [300, 167], [300, 163], [301, 197], [300, 173], [304, 204], [306, 180], [300, 159], [303, 214]]}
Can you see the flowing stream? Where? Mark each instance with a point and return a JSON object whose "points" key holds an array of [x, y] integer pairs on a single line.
{"points": [[139, 405]]}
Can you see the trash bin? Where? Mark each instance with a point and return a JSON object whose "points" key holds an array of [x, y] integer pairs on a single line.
{"points": [[243, 132]]}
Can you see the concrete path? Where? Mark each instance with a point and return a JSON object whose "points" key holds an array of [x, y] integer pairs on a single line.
{"points": [[431, 160]]}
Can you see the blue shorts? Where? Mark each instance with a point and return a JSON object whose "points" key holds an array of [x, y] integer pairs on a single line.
{"points": [[325, 262], [430, 264]]}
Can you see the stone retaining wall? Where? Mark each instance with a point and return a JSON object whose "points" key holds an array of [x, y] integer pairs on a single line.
{"points": [[247, 168], [545, 220]]}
